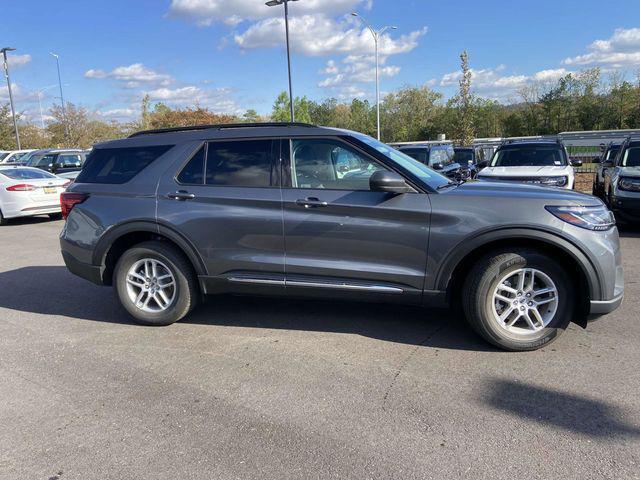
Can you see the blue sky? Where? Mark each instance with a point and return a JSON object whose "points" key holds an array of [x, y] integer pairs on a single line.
{"points": [[228, 55]]}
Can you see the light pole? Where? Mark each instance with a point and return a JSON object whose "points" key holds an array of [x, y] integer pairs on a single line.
{"points": [[275, 3], [376, 38], [64, 112], [13, 110], [40, 92]]}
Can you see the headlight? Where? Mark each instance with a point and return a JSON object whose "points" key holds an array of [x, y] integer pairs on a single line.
{"points": [[554, 181], [591, 218], [630, 184]]}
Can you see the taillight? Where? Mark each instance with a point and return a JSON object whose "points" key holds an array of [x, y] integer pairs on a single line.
{"points": [[21, 187], [68, 200]]}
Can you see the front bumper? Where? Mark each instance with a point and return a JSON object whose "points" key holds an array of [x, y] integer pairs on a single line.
{"points": [[603, 307], [626, 204]]}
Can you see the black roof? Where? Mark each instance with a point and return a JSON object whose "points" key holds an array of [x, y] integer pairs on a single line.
{"points": [[223, 126], [169, 136]]}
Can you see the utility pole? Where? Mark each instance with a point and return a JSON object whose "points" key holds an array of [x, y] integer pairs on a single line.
{"points": [[13, 110]]}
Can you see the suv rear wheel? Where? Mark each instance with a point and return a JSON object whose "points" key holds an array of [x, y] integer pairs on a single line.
{"points": [[155, 283], [518, 300]]}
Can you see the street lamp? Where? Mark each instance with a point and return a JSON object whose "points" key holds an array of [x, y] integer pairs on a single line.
{"points": [[376, 38], [275, 3], [6, 74], [64, 112], [40, 92]]}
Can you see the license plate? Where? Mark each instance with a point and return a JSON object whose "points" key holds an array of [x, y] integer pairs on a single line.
{"points": [[50, 189]]}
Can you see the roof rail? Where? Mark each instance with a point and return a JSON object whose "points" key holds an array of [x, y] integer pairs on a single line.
{"points": [[223, 126], [509, 141]]}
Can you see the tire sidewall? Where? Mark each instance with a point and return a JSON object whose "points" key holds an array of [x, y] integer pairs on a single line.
{"points": [[560, 320], [181, 298]]}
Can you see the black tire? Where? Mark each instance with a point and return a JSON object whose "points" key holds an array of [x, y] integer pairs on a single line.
{"points": [[3, 221], [186, 294], [55, 216], [478, 297]]}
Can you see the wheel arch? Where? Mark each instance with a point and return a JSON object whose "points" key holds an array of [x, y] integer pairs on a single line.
{"points": [[459, 262], [119, 239]]}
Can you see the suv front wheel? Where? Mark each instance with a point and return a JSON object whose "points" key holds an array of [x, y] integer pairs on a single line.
{"points": [[155, 283], [518, 300]]}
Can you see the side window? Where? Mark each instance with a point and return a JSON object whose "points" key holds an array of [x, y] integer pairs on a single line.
{"points": [[119, 165], [330, 164], [45, 161], [244, 163], [193, 171], [69, 160]]}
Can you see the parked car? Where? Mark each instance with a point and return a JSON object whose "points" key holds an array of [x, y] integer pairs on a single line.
{"points": [[26, 191], [622, 181], [541, 162], [466, 158], [57, 161], [439, 157], [606, 162], [168, 215], [13, 157]]}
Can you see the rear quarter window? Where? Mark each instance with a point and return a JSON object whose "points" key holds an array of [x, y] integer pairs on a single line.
{"points": [[119, 165]]}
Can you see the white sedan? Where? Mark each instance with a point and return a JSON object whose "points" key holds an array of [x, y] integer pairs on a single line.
{"points": [[26, 191]]}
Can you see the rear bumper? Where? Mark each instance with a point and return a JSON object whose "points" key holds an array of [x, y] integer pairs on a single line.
{"points": [[602, 307], [32, 211], [83, 270]]}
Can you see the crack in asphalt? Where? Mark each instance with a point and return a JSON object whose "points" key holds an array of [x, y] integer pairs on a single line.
{"points": [[406, 362]]}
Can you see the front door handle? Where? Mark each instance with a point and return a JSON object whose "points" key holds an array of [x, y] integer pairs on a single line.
{"points": [[311, 202], [181, 195]]}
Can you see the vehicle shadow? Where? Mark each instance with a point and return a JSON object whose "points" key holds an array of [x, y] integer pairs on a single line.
{"points": [[52, 290], [28, 221], [553, 407]]}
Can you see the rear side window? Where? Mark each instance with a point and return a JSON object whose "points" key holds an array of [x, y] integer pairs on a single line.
{"points": [[118, 165], [193, 172], [246, 163]]}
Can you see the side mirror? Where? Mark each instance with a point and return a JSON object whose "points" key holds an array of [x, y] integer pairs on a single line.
{"points": [[576, 163], [607, 163], [385, 181], [437, 166], [483, 164]]}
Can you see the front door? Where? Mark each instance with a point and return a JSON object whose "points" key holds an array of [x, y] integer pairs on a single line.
{"points": [[342, 237], [226, 201]]}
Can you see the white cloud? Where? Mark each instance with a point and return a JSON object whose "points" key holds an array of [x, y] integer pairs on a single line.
{"points": [[16, 61], [132, 75], [232, 12], [319, 35], [620, 50], [218, 100], [118, 114], [493, 83]]}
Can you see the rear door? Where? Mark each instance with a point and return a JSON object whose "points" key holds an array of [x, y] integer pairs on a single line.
{"points": [[340, 236], [225, 199]]}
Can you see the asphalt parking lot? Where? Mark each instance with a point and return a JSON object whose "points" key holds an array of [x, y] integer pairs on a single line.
{"points": [[259, 388]]}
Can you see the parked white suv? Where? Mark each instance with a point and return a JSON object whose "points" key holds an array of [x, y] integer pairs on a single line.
{"points": [[541, 162]]}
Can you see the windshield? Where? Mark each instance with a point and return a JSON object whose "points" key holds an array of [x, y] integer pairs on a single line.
{"points": [[631, 157], [463, 157], [3, 155], [26, 174], [419, 170], [612, 152], [530, 156]]}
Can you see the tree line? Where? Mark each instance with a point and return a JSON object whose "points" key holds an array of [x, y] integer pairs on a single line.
{"points": [[578, 101]]}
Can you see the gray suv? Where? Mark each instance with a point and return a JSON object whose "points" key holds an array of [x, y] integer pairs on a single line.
{"points": [[167, 216]]}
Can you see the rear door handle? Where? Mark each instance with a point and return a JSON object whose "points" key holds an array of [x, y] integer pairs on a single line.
{"points": [[181, 195], [311, 202]]}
